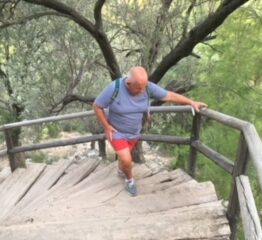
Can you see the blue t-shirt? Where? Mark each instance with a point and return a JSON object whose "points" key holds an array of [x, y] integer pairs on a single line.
{"points": [[126, 111]]}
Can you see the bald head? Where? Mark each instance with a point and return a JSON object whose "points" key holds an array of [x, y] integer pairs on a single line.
{"points": [[137, 80]]}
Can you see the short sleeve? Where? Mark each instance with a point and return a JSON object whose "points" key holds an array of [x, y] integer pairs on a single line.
{"points": [[156, 91], [103, 99]]}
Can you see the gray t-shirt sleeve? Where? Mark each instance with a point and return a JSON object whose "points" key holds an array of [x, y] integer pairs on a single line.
{"points": [[156, 91], [103, 99]]}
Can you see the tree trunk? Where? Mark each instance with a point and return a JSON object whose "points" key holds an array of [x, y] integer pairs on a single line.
{"points": [[15, 135], [19, 157]]}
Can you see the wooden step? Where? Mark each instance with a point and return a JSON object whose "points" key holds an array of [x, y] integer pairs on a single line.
{"points": [[99, 183], [70, 178], [69, 201], [205, 221], [116, 201], [4, 173], [48, 177], [17, 185]]}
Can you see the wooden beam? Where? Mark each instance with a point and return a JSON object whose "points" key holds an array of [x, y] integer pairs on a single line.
{"points": [[224, 119], [165, 139], [47, 119], [218, 158], [220, 117], [193, 151], [86, 114], [249, 214], [239, 168], [254, 144], [166, 109], [58, 143], [9, 144]]}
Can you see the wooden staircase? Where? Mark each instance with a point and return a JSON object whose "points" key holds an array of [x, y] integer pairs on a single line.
{"points": [[87, 200]]}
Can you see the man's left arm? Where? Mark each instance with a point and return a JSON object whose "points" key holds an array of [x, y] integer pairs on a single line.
{"points": [[180, 99]]}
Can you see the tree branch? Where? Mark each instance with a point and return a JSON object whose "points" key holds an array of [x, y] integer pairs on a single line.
{"points": [[69, 99], [97, 33], [196, 35], [186, 22], [29, 18], [67, 11], [97, 13], [153, 50], [177, 87]]}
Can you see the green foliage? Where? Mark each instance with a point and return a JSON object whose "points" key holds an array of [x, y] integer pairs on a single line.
{"points": [[42, 157], [51, 130], [46, 59], [228, 78]]}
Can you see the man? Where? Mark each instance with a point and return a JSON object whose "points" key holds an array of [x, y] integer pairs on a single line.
{"points": [[123, 123]]}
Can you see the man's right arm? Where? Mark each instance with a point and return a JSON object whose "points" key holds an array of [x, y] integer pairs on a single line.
{"points": [[100, 114]]}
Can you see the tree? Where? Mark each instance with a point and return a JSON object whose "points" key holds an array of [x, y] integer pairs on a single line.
{"points": [[196, 21]]}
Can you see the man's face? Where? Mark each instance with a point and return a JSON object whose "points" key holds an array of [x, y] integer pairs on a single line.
{"points": [[136, 88]]}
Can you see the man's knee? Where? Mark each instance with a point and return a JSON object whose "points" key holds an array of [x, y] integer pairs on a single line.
{"points": [[124, 156]]}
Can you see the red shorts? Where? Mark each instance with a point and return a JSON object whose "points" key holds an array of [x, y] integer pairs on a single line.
{"points": [[120, 144]]}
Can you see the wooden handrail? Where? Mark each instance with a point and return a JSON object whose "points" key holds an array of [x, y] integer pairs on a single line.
{"points": [[224, 119], [250, 145], [85, 114], [60, 143], [254, 147]]}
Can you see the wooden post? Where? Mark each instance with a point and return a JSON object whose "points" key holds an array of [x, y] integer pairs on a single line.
{"points": [[193, 151], [102, 148], [240, 167], [248, 209], [9, 145]]}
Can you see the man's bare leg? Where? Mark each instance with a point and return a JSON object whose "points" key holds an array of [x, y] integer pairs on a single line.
{"points": [[125, 162]]}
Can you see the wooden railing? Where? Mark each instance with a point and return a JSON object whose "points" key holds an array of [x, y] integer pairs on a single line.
{"points": [[250, 147]]}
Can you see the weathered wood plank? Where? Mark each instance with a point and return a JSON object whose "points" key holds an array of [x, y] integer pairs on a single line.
{"points": [[254, 144], [11, 157], [196, 126], [218, 158], [166, 109], [205, 221], [58, 143], [5, 172], [224, 119], [239, 168], [86, 114], [67, 180], [76, 175], [17, 185], [47, 119], [165, 139], [50, 176], [249, 214], [116, 201]]}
